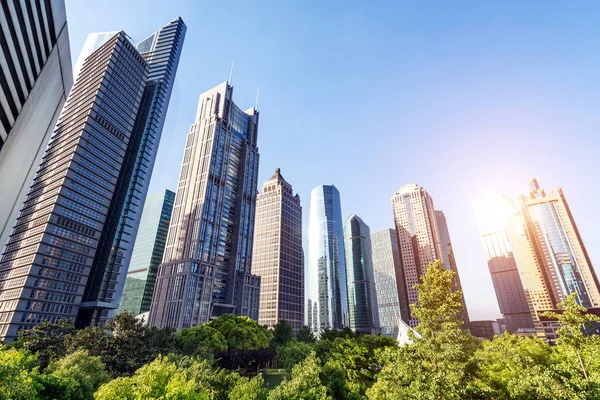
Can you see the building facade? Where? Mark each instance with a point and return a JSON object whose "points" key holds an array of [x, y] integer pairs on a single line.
{"points": [[449, 260], [35, 76], [493, 214], [326, 289], [46, 265], [418, 236], [389, 281], [206, 266], [147, 253], [161, 51], [362, 297], [277, 254]]}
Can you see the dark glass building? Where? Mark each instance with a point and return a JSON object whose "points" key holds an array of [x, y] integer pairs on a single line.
{"points": [[147, 253], [35, 79], [362, 298], [206, 266], [326, 288]]}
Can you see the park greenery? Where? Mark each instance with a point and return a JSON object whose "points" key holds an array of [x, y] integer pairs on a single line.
{"points": [[232, 357]]}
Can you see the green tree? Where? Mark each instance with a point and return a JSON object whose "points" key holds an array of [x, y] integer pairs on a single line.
{"points": [[438, 365], [249, 389], [47, 340], [19, 375], [305, 383], [84, 373], [241, 333], [305, 335], [292, 353], [571, 337], [202, 340], [282, 332]]}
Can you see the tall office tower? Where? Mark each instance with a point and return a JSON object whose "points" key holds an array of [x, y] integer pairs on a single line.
{"points": [[418, 236], [277, 255], [47, 262], [206, 266], [147, 253], [493, 214], [449, 260], [161, 51], [557, 247], [35, 79], [326, 290], [362, 298], [389, 281]]}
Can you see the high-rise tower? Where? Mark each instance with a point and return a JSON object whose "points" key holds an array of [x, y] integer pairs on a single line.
{"points": [[206, 265], [147, 253], [326, 290], [35, 77], [362, 298], [277, 255], [94, 170], [389, 281]]}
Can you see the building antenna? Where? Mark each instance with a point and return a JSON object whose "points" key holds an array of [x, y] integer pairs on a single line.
{"points": [[256, 107], [231, 74]]}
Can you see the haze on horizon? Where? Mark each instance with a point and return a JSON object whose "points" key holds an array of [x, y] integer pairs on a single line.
{"points": [[464, 98]]}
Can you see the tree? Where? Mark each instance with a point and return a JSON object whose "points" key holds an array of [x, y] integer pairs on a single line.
{"points": [[571, 336], [47, 340], [241, 333], [201, 340], [84, 373], [438, 365], [292, 353], [19, 375], [305, 383], [305, 335], [282, 332], [249, 389]]}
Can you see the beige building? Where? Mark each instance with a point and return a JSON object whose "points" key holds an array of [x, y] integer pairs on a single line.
{"points": [[277, 255]]}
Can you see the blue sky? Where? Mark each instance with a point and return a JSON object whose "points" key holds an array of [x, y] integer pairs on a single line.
{"points": [[464, 98]]}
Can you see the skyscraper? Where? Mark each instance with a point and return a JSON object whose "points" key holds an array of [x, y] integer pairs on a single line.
{"points": [[362, 298], [206, 265], [35, 76], [326, 290], [558, 247], [147, 253], [277, 255], [56, 270], [449, 260], [161, 51], [493, 214], [389, 281], [419, 239]]}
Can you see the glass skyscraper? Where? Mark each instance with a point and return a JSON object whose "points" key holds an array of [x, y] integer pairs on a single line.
{"points": [[55, 270], [493, 215], [206, 265], [147, 253], [277, 255], [35, 79], [389, 281], [326, 289], [362, 298]]}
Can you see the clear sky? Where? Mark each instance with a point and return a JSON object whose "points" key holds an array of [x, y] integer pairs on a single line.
{"points": [[462, 97]]}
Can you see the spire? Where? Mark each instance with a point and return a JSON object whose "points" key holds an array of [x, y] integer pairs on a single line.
{"points": [[277, 175]]}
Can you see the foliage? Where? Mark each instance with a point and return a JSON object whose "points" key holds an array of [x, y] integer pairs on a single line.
{"points": [[249, 389], [305, 335], [305, 383], [47, 340], [282, 333], [241, 333], [202, 340], [292, 353], [84, 374], [20, 376]]}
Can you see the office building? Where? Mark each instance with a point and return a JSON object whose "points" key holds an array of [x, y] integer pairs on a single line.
{"points": [[389, 281], [147, 253], [277, 254], [81, 189], [206, 266], [449, 260], [362, 298], [326, 290], [486, 329], [35, 77], [493, 214]]}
